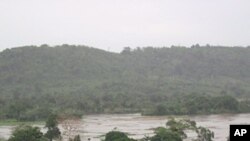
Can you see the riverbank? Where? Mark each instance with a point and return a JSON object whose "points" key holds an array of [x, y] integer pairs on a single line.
{"points": [[13, 122]]}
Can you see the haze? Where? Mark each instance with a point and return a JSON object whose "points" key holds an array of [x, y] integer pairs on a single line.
{"points": [[114, 24]]}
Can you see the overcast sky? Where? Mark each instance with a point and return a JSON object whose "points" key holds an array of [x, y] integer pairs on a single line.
{"points": [[114, 24]]}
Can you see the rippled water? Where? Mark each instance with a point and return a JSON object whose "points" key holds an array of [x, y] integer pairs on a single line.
{"points": [[137, 126]]}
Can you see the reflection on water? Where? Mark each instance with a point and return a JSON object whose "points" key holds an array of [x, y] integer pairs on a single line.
{"points": [[137, 126]]}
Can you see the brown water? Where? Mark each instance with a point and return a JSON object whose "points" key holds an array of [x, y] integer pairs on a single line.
{"points": [[137, 126]]}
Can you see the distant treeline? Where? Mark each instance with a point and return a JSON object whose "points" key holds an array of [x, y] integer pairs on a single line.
{"points": [[78, 80], [199, 104]]}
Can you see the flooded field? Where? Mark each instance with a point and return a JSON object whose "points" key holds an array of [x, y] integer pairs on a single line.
{"points": [[137, 126]]}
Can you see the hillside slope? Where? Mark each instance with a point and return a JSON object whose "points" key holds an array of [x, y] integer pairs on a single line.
{"points": [[92, 80]]}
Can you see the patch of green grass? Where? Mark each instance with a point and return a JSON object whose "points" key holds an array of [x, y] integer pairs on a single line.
{"points": [[13, 122]]}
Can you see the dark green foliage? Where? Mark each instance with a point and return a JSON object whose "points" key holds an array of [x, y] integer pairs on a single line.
{"points": [[27, 133], [175, 131], [200, 104], [204, 134], [35, 81], [53, 131], [76, 138], [244, 106], [163, 134], [117, 136]]}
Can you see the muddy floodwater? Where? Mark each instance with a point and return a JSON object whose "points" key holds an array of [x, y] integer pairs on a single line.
{"points": [[137, 126]]}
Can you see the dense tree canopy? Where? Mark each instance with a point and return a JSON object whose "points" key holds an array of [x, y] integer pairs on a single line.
{"points": [[53, 131], [35, 81], [117, 136], [27, 133]]}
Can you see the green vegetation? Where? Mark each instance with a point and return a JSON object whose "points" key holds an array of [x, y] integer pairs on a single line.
{"points": [[76, 138], [77, 80], [163, 134], [117, 136], [27, 133], [14, 122], [53, 131], [174, 131], [199, 104]]}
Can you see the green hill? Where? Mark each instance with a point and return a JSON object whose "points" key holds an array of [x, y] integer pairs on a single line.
{"points": [[79, 79]]}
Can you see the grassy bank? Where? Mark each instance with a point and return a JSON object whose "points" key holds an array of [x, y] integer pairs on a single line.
{"points": [[13, 122]]}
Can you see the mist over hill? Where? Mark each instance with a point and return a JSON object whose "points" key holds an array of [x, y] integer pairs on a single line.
{"points": [[82, 79]]}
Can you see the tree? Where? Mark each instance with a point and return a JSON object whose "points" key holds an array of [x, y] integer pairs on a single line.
{"points": [[76, 138], [204, 134], [51, 124], [163, 134], [27, 133], [117, 136], [160, 109], [175, 131], [126, 50]]}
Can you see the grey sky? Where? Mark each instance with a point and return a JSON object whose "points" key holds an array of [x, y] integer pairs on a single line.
{"points": [[113, 24]]}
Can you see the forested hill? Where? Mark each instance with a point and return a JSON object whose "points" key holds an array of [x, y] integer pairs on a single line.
{"points": [[93, 80]]}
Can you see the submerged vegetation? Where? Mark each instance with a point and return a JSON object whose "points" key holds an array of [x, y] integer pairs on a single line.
{"points": [[25, 132], [175, 130], [76, 80]]}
